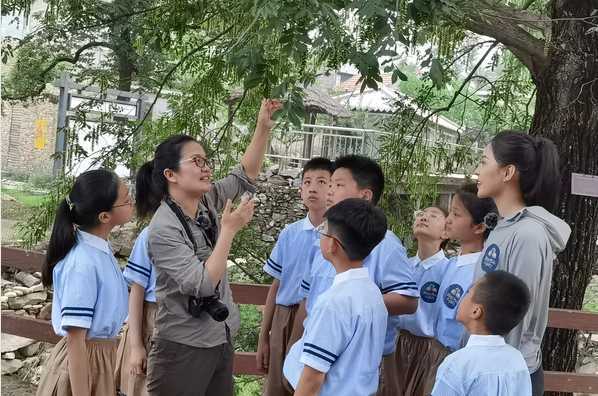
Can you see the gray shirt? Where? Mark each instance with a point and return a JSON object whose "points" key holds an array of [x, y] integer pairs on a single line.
{"points": [[526, 244], [180, 272]]}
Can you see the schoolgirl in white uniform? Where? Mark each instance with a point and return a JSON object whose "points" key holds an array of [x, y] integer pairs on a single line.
{"points": [[90, 294]]}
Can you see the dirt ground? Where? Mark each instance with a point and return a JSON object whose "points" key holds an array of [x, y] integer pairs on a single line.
{"points": [[13, 386]]}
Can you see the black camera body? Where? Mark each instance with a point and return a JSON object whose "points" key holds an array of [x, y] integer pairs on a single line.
{"points": [[211, 305]]}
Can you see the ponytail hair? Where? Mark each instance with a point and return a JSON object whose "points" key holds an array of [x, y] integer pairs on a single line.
{"points": [[478, 208], [94, 192], [146, 198], [537, 161], [150, 184]]}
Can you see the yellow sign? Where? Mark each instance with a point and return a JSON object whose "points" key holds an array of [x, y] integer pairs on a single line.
{"points": [[41, 130]]}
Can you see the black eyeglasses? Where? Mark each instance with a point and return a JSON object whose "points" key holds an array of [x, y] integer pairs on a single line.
{"points": [[199, 161], [322, 228], [130, 202]]}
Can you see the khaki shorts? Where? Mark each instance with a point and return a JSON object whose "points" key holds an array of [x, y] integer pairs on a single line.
{"points": [[287, 328], [417, 360], [134, 385]]}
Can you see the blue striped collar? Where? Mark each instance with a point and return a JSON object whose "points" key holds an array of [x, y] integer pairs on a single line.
{"points": [[94, 241], [356, 273]]}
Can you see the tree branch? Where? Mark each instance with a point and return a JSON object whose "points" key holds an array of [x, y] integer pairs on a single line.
{"points": [[74, 59], [503, 24], [422, 124]]}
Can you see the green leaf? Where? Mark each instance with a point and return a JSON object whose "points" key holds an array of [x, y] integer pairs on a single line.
{"points": [[397, 74]]}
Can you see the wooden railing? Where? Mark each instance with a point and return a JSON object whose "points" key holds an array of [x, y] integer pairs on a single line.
{"points": [[256, 295]]}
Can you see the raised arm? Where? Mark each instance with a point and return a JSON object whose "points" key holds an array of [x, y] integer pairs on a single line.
{"points": [[254, 155]]}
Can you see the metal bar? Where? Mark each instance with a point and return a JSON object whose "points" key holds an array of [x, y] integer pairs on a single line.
{"points": [[60, 145]]}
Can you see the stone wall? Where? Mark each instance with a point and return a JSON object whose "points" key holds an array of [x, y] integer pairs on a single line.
{"points": [[28, 137]]}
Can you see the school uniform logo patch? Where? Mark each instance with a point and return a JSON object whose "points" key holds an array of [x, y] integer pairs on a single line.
{"points": [[429, 292], [490, 258], [452, 295]]}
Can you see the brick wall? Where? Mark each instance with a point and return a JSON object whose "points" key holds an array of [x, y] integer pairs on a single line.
{"points": [[28, 137]]}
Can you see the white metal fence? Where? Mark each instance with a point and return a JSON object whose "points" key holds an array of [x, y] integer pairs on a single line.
{"points": [[292, 148]]}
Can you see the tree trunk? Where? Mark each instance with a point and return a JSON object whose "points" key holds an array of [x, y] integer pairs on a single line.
{"points": [[567, 113]]}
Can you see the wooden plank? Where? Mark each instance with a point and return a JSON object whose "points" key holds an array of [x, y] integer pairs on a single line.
{"points": [[256, 294], [246, 293], [571, 319], [244, 362], [22, 326], [22, 259], [555, 381]]}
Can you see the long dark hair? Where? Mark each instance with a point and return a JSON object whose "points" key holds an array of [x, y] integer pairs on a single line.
{"points": [[151, 186], [537, 161], [478, 208], [94, 191]]}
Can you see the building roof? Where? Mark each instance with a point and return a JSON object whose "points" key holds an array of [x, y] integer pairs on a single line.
{"points": [[383, 101]]}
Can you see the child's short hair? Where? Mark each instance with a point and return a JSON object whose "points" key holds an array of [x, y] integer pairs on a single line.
{"points": [[318, 163], [478, 208], [366, 172], [505, 298], [358, 224]]}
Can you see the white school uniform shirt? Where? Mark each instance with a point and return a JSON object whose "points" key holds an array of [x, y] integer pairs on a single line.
{"points": [[139, 268], [291, 259], [455, 284], [90, 291], [486, 366], [343, 337], [388, 268], [428, 275]]}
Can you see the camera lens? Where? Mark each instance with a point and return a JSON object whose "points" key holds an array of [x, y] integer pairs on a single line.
{"points": [[218, 311]]}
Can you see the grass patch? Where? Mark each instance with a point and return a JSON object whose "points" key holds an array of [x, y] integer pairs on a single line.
{"points": [[247, 385], [24, 197], [249, 332]]}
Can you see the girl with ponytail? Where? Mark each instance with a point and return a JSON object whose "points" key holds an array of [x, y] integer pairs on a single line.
{"points": [[131, 360], [521, 173], [90, 294]]}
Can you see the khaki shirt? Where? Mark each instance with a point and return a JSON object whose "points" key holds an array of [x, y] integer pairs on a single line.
{"points": [[181, 273]]}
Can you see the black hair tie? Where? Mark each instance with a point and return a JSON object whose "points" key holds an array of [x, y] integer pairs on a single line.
{"points": [[490, 220]]}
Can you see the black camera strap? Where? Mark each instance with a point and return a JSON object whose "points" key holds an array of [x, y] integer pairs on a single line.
{"points": [[181, 216]]}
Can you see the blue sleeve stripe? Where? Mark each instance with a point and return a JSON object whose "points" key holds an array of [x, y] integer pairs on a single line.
{"points": [[318, 355], [138, 271], [76, 309], [274, 265], [399, 288], [308, 345], [90, 315], [303, 282], [399, 284], [305, 287], [139, 268]]}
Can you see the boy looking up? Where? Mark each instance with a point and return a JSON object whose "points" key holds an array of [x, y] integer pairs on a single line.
{"points": [[341, 347], [288, 263], [487, 365]]}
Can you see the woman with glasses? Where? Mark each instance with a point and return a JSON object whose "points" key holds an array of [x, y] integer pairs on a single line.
{"points": [[191, 351]]}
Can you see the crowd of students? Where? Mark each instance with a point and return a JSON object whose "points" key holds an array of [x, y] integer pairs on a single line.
{"points": [[348, 313]]}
